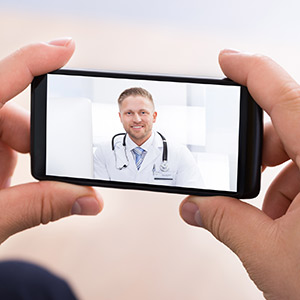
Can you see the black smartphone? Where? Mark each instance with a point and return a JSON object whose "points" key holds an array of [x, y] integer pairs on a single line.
{"points": [[154, 132]]}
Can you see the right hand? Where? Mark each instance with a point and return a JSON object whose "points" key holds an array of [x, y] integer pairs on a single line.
{"points": [[267, 241]]}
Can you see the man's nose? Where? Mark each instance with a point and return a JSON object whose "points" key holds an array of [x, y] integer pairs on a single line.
{"points": [[136, 118]]}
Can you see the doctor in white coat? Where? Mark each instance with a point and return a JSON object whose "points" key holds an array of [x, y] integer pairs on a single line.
{"points": [[139, 155]]}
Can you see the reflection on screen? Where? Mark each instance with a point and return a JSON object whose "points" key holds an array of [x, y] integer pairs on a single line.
{"points": [[187, 136]]}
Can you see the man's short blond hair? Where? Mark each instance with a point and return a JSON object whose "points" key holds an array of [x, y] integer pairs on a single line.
{"points": [[135, 91]]}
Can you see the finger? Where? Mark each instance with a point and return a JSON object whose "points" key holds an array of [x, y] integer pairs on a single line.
{"points": [[273, 152], [32, 204], [8, 160], [273, 89], [231, 221], [282, 191], [15, 127], [18, 69]]}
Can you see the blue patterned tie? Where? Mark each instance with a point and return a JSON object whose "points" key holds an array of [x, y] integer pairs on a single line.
{"points": [[139, 156]]}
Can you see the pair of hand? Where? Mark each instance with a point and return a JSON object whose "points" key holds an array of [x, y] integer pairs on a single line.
{"points": [[267, 241]]}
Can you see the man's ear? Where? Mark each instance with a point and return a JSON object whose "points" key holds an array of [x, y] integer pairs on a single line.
{"points": [[154, 116], [120, 117]]}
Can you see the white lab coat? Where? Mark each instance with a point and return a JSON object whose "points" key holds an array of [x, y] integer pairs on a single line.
{"points": [[183, 170]]}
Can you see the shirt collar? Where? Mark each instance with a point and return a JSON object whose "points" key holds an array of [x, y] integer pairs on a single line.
{"points": [[130, 144]]}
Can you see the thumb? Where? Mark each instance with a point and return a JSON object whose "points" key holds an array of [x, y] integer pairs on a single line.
{"points": [[29, 205], [237, 224]]}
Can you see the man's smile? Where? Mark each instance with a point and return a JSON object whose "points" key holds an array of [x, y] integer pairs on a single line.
{"points": [[137, 126]]}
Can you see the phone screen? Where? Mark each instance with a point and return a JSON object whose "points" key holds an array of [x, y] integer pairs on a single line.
{"points": [[160, 132]]}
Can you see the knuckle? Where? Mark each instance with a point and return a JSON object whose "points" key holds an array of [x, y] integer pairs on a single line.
{"points": [[56, 201], [47, 197], [260, 59], [288, 98], [216, 223], [20, 53], [223, 224], [290, 94], [40, 207]]}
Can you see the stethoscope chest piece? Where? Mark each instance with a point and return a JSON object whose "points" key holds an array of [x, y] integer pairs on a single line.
{"points": [[164, 166]]}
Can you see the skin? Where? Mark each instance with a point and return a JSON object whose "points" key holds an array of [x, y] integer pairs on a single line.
{"points": [[137, 116], [267, 241], [31, 204]]}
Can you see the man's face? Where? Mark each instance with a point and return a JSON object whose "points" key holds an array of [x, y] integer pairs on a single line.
{"points": [[137, 116]]}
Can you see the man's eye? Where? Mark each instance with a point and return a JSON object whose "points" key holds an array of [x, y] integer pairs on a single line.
{"points": [[128, 113]]}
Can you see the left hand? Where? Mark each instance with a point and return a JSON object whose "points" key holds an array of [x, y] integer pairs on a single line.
{"points": [[31, 204]]}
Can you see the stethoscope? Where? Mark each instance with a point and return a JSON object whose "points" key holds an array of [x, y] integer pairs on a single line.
{"points": [[164, 166]]}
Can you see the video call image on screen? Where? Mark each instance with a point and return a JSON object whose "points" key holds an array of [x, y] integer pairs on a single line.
{"points": [[143, 131]]}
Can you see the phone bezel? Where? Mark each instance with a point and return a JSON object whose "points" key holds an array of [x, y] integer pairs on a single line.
{"points": [[250, 136]]}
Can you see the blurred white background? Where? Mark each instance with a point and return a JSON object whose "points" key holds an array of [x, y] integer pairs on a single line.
{"points": [[138, 247]]}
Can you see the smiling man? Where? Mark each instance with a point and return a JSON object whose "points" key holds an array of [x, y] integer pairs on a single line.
{"points": [[137, 114], [141, 154]]}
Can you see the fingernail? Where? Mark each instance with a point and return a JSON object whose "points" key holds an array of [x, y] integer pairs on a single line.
{"points": [[86, 206], [190, 214], [64, 42], [229, 51]]}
